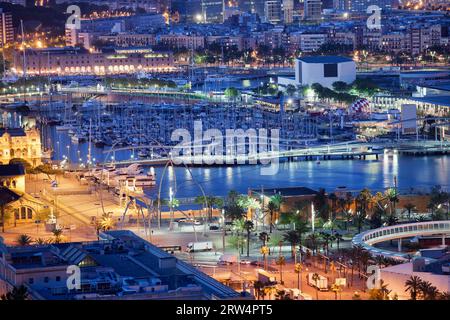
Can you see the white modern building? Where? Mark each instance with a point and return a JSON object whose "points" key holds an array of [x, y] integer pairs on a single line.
{"points": [[324, 70]]}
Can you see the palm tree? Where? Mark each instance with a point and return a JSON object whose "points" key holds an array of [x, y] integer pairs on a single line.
{"points": [[234, 212], [413, 286], [444, 296], [264, 237], [210, 202], [339, 238], [326, 237], [17, 293], [381, 293], [40, 241], [248, 226], [273, 206], [321, 204], [363, 200], [392, 196], [57, 235], [239, 227], [333, 199], [281, 295], [292, 237], [428, 291], [345, 206], [281, 261], [24, 240], [301, 228], [313, 238], [409, 207], [106, 222], [258, 286]]}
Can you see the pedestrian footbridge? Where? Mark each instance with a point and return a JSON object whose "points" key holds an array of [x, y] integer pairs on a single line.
{"points": [[368, 238]]}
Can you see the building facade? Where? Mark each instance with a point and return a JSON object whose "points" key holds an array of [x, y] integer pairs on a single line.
{"points": [[78, 61], [20, 143], [312, 10], [6, 28]]}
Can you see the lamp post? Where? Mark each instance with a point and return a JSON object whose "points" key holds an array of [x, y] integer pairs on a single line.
{"points": [[223, 230], [298, 270], [313, 216], [171, 208]]}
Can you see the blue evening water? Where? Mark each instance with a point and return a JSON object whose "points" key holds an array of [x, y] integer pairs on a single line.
{"points": [[411, 172]]}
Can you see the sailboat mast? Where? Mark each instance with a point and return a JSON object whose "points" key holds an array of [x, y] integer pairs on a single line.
{"points": [[24, 51], [90, 142]]}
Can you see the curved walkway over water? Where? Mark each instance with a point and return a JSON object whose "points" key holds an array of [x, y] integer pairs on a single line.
{"points": [[368, 238]]}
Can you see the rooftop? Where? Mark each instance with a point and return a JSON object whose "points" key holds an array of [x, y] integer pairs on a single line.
{"points": [[14, 132], [12, 170], [325, 59], [119, 264], [287, 192], [437, 100], [7, 195]]}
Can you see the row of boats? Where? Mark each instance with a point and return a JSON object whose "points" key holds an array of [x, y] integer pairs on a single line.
{"points": [[133, 177]]}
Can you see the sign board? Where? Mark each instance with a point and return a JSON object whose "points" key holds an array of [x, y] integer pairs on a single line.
{"points": [[341, 282], [409, 118]]}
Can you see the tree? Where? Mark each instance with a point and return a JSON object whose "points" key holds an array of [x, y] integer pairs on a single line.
{"points": [[248, 226], [409, 207], [231, 93], [413, 285], [24, 240], [274, 206], [264, 237], [339, 238], [236, 242], [281, 261], [106, 222], [301, 228], [381, 293], [281, 295], [57, 235], [315, 278], [17, 293], [326, 237], [234, 212], [428, 291], [341, 86], [392, 196], [313, 238], [345, 206], [40, 241], [333, 207], [258, 286], [363, 201], [291, 90], [321, 204], [293, 238], [210, 202]]}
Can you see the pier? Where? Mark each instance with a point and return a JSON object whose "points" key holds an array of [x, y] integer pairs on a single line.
{"points": [[341, 151]]}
